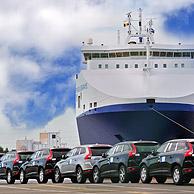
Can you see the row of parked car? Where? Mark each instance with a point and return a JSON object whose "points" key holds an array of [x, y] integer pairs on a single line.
{"points": [[123, 162]]}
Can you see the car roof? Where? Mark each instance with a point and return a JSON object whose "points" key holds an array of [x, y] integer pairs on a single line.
{"points": [[135, 142], [95, 145], [175, 140]]}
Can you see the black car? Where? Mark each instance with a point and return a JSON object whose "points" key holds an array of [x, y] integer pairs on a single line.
{"points": [[174, 159], [121, 162], [40, 165], [10, 164], [1, 154]]}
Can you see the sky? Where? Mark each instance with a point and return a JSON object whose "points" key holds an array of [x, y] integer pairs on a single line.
{"points": [[40, 54]]}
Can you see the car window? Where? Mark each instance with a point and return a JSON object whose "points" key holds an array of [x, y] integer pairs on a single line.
{"points": [[39, 154], [171, 147], [118, 149], [77, 151], [33, 156], [181, 146], [82, 150], [127, 147], [162, 148], [99, 150], [45, 152], [71, 153], [111, 151], [146, 147]]}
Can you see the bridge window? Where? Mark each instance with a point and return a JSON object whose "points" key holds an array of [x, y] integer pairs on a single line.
{"points": [[136, 65], [156, 65], [106, 66], [182, 65], [112, 55], [169, 54], [119, 54], [177, 54], [87, 56], [104, 55], [117, 66], [142, 53], [134, 53], [156, 54], [78, 101], [145, 65], [90, 105], [125, 54], [126, 65], [95, 55], [186, 54], [164, 65], [192, 55], [175, 65], [84, 106], [163, 54]]}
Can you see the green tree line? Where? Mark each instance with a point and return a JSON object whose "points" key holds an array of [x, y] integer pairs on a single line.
{"points": [[3, 150]]}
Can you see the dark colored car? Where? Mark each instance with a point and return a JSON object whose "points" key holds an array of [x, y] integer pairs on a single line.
{"points": [[40, 165], [10, 164], [121, 162], [1, 154], [79, 163], [175, 158]]}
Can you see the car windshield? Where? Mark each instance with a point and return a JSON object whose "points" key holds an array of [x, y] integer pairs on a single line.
{"points": [[146, 147], [57, 153], [98, 151], [24, 155]]}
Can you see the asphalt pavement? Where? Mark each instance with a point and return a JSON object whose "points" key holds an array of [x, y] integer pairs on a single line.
{"points": [[106, 188]]}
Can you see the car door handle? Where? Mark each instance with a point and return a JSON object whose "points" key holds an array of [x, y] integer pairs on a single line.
{"points": [[117, 158]]}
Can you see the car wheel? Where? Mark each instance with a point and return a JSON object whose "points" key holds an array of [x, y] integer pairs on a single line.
{"points": [[135, 179], [161, 179], [186, 179], [23, 179], [177, 175], [80, 176], [91, 179], [41, 177], [9, 177], [144, 175], [57, 176], [123, 175], [74, 179], [114, 179], [96, 175]]}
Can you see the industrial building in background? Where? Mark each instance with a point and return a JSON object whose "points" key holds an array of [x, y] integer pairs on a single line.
{"points": [[46, 140]]}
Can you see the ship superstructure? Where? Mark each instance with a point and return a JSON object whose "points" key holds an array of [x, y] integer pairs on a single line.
{"points": [[139, 90]]}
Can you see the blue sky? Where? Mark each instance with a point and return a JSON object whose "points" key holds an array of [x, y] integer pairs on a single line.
{"points": [[40, 53]]}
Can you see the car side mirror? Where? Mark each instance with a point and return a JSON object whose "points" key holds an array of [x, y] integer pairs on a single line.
{"points": [[154, 152], [64, 157], [104, 155], [29, 159]]}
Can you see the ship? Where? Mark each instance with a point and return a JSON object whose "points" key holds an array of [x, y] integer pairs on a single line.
{"points": [[138, 90]]}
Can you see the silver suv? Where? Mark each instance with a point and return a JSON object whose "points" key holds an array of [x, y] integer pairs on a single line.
{"points": [[78, 163]]}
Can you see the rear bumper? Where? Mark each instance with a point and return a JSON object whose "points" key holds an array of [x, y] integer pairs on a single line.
{"points": [[133, 170], [189, 171]]}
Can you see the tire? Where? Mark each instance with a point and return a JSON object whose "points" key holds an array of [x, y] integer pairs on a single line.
{"points": [[91, 179], [177, 175], [73, 179], [41, 177], [114, 179], [57, 176], [144, 175], [23, 179], [186, 179], [123, 175], [81, 178], [9, 177], [135, 179], [96, 175], [161, 179]]}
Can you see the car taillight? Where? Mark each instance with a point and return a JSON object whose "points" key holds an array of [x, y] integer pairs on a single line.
{"points": [[50, 156], [88, 154], [189, 152], [17, 159], [133, 151]]}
